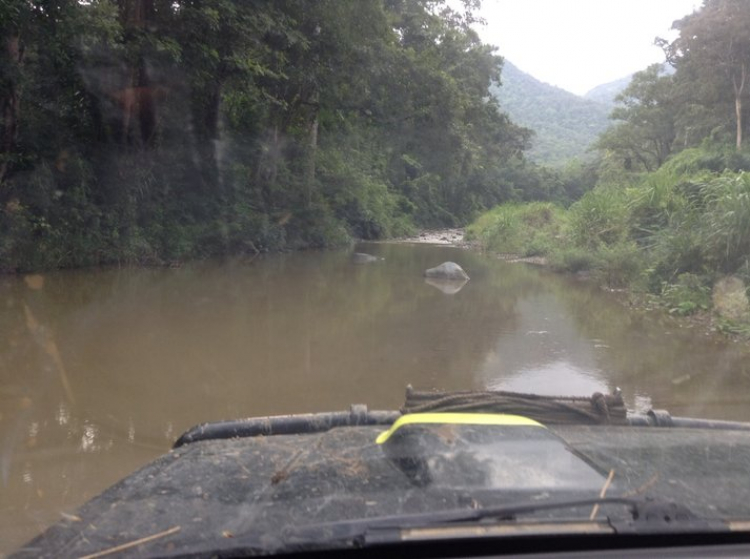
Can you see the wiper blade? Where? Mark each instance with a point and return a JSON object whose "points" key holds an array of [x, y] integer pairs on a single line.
{"points": [[642, 516], [389, 529], [503, 512]]}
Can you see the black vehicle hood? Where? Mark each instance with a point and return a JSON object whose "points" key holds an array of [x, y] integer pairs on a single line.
{"points": [[212, 491]]}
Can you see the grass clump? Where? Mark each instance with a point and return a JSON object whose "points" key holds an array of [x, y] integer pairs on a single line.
{"points": [[726, 221], [573, 259], [600, 218], [621, 264], [531, 229], [674, 233], [689, 294]]}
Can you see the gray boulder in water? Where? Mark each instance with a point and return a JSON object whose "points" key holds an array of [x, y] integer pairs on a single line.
{"points": [[364, 258], [447, 271]]}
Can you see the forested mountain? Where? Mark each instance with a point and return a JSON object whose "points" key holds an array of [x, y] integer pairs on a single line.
{"points": [[152, 130], [607, 92], [565, 125]]}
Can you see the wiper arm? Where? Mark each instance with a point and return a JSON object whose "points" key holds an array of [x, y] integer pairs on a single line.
{"points": [[503, 512], [643, 516]]}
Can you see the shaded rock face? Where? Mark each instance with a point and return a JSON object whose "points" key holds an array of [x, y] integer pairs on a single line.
{"points": [[730, 298], [447, 271], [364, 258]]}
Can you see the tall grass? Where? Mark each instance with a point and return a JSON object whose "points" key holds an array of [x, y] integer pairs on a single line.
{"points": [[726, 221], [530, 229], [600, 218], [673, 232]]}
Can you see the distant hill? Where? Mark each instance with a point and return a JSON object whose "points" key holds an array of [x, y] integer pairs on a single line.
{"points": [[606, 92], [565, 124]]}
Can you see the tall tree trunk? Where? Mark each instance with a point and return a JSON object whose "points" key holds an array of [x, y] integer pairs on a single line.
{"points": [[209, 135], [136, 13], [275, 154], [312, 151], [738, 90], [267, 167], [10, 103], [738, 111], [138, 99]]}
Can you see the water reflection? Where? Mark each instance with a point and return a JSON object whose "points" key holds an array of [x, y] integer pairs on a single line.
{"points": [[556, 378], [545, 354], [114, 364], [449, 287]]}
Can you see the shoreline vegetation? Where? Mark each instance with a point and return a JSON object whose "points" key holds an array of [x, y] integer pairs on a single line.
{"points": [[675, 239]]}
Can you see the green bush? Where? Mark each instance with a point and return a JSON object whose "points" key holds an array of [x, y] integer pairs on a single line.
{"points": [[654, 203], [531, 229], [600, 218], [689, 294], [573, 259], [621, 264], [315, 227], [360, 199], [498, 231], [693, 160], [726, 222], [710, 158]]}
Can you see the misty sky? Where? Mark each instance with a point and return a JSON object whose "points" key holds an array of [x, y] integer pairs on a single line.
{"points": [[579, 44]]}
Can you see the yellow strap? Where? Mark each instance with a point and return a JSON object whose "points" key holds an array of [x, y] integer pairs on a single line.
{"points": [[457, 419]]}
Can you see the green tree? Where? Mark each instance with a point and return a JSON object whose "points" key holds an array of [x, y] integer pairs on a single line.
{"points": [[153, 130], [713, 53], [644, 132], [452, 141], [12, 16]]}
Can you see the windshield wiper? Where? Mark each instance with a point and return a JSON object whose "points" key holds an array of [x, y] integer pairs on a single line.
{"points": [[503, 512], [642, 516]]}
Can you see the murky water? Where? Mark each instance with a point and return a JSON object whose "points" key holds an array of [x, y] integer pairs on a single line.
{"points": [[100, 370]]}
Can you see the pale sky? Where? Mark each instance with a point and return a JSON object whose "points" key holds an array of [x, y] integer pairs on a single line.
{"points": [[579, 44]]}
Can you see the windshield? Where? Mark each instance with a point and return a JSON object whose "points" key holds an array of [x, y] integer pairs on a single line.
{"points": [[220, 209]]}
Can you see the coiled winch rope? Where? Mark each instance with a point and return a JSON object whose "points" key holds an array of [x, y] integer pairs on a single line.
{"points": [[599, 409]]}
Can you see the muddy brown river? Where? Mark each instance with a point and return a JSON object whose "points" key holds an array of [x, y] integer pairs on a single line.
{"points": [[101, 370]]}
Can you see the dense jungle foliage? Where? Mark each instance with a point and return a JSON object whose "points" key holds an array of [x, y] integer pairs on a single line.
{"points": [[670, 213], [156, 130]]}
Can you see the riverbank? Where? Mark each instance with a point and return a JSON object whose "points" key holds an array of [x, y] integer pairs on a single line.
{"points": [[677, 238], [703, 319]]}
